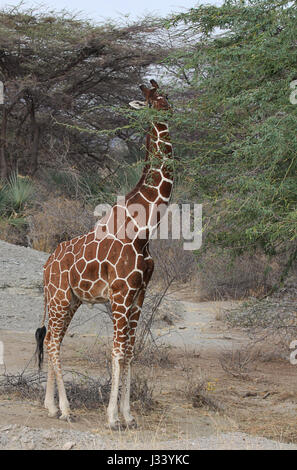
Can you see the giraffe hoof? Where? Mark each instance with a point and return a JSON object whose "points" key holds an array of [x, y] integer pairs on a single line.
{"points": [[131, 424], [115, 426], [67, 418], [53, 414]]}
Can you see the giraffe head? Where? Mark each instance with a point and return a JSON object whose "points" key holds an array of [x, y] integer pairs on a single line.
{"points": [[153, 98]]}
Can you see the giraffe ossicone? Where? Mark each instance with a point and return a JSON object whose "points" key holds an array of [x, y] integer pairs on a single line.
{"points": [[112, 264]]}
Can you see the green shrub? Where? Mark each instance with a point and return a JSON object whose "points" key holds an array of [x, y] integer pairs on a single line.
{"points": [[15, 195]]}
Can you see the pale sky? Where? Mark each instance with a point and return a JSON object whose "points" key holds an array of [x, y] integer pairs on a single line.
{"points": [[98, 10]]}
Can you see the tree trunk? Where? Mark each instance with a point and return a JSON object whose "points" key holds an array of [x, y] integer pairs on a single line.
{"points": [[3, 156], [35, 141], [35, 147]]}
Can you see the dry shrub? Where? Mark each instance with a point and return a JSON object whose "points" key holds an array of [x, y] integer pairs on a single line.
{"points": [[149, 351], [172, 261], [155, 354], [83, 391], [86, 392], [271, 321], [196, 391], [215, 274], [240, 362], [201, 399], [144, 339], [58, 219], [24, 386], [142, 393], [223, 277], [13, 233]]}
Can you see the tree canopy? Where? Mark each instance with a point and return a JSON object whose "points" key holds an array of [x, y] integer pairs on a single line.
{"points": [[229, 71], [57, 69], [235, 126]]}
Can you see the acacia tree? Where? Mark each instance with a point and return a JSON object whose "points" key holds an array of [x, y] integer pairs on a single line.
{"points": [[236, 131], [57, 70]]}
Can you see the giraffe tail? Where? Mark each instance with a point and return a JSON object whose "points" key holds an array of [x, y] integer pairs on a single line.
{"points": [[39, 336]]}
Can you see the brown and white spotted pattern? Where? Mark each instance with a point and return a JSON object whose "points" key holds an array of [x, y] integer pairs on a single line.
{"points": [[110, 263]]}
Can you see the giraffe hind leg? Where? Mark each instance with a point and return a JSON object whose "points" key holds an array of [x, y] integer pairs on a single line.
{"points": [[58, 324], [123, 343], [49, 401]]}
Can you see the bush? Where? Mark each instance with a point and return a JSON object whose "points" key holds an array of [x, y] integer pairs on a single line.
{"points": [[223, 277], [58, 220], [15, 195], [14, 230], [172, 262]]}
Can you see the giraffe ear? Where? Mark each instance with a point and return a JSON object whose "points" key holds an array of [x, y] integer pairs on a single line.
{"points": [[145, 91], [143, 88], [137, 104], [154, 83]]}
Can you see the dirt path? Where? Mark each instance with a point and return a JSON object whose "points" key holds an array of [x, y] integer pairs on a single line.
{"points": [[193, 343], [172, 424]]}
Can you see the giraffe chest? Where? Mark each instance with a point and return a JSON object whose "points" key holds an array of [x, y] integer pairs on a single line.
{"points": [[94, 267], [103, 266]]}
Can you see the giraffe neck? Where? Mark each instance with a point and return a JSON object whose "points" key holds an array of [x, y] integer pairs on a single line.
{"points": [[160, 155], [157, 175], [148, 201]]}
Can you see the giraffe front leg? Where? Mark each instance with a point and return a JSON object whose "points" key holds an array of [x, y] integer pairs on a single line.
{"points": [[126, 370], [63, 400], [125, 396], [120, 321], [133, 318], [112, 410]]}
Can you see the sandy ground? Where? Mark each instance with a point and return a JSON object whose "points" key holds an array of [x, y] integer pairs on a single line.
{"points": [[257, 411]]}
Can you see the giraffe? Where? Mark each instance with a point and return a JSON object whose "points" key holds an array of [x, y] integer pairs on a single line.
{"points": [[109, 264]]}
